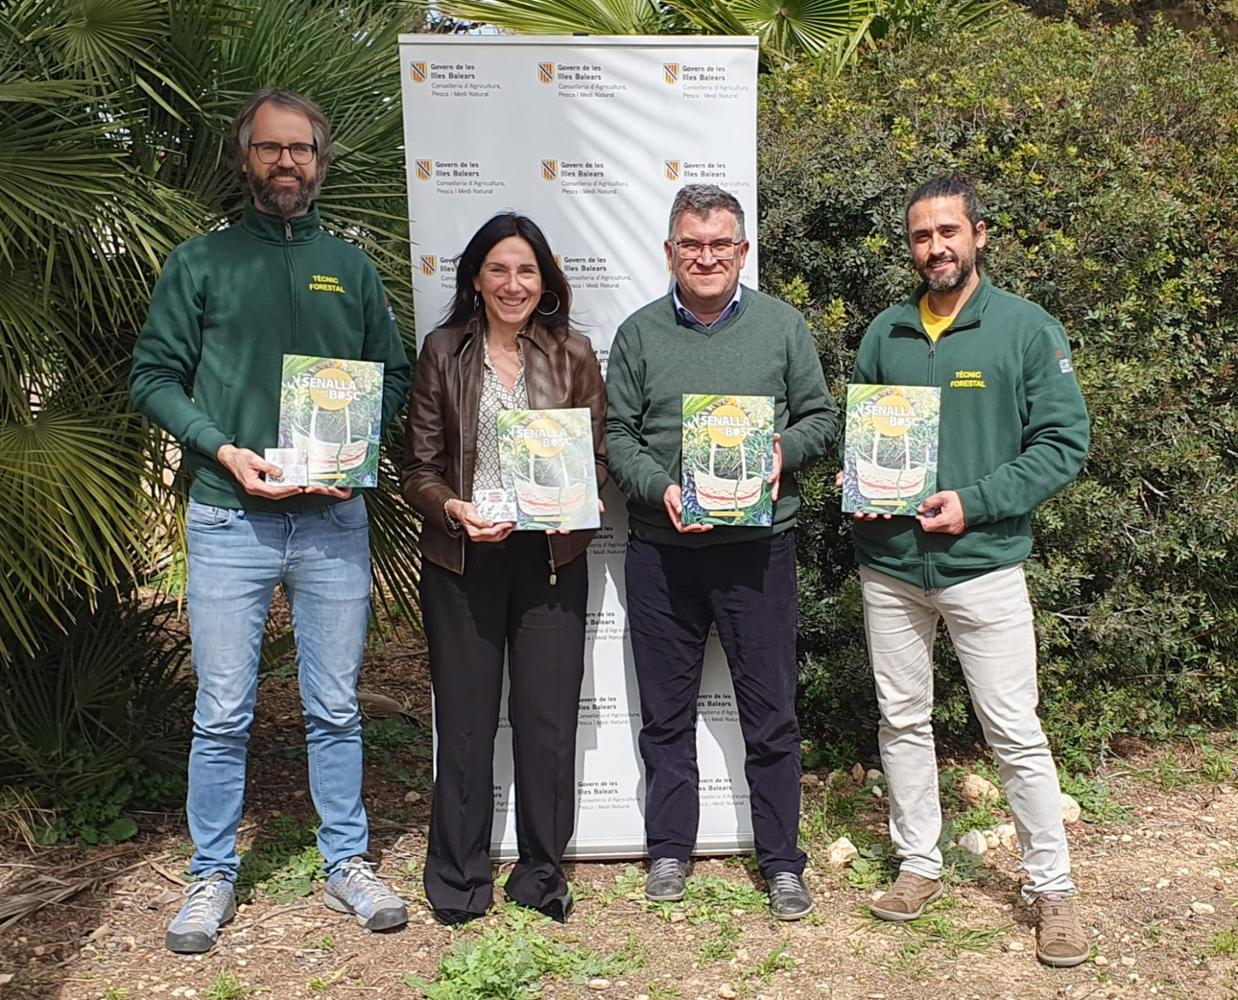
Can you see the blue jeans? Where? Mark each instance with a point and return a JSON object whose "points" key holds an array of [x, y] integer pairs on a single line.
{"points": [[236, 559]]}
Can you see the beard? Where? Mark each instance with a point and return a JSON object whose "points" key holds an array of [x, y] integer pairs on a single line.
{"points": [[285, 202], [963, 268]]}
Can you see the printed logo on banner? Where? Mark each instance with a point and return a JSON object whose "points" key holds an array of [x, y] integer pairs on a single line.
{"points": [[702, 172], [672, 170], [417, 70], [546, 72], [429, 265], [425, 170], [550, 170], [670, 73]]}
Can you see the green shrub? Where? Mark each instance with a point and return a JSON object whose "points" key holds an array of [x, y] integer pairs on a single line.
{"points": [[1109, 166]]}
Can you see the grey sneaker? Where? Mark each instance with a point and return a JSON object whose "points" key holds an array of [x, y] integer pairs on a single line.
{"points": [[665, 883], [354, 888], [210, 902], [789, 898]]}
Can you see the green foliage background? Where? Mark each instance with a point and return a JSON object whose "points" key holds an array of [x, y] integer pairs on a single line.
{"points": [[1108, 163]]}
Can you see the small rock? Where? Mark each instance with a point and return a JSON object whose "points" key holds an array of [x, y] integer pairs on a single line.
{"points": [[726, 991], [976, 790], [1101, 960], [841, 851], [1163, 883], [877, 793], [599, 984], [1007, 835], [1126, 838], [100, 932], [1014, 945], [1203, 909], [873, 774], [991, 840], [1070, 809], [809, 779], [299, 793], [1128, 960], [38, 951], [857, 774], [412, 797], [678, 917], [5, 978], [973, 841], [741, 954]]}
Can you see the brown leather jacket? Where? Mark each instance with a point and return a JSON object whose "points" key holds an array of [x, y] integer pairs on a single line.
{"points": [[440, 446]]}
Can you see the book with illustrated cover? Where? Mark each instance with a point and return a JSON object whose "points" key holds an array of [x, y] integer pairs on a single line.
{"points": [[728, 455], [330, 418], [890, 448], [547, 462]]}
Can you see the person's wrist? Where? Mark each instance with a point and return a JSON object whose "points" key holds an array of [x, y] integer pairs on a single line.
{"points": [[452, 522]]}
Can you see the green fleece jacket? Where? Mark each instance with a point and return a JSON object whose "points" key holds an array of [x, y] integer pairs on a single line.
{"points": [[1014, 430], [762, 349], [227, 307]]}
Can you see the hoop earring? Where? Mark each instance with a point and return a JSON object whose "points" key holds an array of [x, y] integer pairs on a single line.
{"points": [[548, 312]]}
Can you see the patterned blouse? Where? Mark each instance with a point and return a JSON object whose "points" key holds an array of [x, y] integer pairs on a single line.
{"points": [[495, 397]]}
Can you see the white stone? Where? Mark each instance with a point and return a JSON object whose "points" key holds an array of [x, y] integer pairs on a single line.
{"points": [[1007, 835], [857, 774], [877, 793], [411, 797], [1128, 960], [975, 790], [872, 774], [1014, 946], [599, 984], [1163, 883], [727, 992], [1126, 838], [809, 779], [991, 840], [1203, 909], [1101, 960], [841, 852], [1070, 809], [974, 842]]}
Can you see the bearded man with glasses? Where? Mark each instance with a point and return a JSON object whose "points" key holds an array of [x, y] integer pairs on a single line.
{"points": [[710, 334], [207, 368]]}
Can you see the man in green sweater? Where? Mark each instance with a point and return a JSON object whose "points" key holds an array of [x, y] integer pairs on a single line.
{"points": [[207, 369], [712, 335], [1013, 432]]}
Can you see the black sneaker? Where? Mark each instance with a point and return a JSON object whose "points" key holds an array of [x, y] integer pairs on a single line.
{"points": [[665, 883], [789, 898]]}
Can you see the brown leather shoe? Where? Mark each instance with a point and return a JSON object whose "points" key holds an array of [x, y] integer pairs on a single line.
{"points": [[907, 898], [1060, 938]]}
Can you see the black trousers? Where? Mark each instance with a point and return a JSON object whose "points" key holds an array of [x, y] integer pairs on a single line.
{"points": [[674, 593], [503, 601]]}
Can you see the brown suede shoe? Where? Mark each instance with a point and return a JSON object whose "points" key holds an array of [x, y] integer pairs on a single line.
{"points": [[1060, 938], [907, 898]]}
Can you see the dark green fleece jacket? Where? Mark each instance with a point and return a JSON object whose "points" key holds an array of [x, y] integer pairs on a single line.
{"points": [[763, 349], [227, 307], [1014, 430]]}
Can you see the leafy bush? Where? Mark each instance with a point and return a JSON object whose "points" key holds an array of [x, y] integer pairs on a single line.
{"points": [[1108, 165], [97, 718]]}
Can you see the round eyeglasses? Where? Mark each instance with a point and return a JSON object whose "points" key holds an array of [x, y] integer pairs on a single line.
{"points": [[270, 152]]}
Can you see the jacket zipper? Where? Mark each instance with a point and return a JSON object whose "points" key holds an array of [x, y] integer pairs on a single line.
{"points": [[292, 284], [932, 364], [460, 451]]}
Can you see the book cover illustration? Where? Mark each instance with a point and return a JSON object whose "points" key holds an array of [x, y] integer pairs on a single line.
{"points": [[330, 412], [728, 455], [547, 462], [890, 448]]}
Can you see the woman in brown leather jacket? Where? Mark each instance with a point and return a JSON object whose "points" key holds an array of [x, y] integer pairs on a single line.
{"points": [[506, 343]]}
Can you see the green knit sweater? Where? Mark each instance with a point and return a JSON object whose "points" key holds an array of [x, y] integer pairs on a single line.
{"points": [[763, 349], [1014, 430], [227, 307]]}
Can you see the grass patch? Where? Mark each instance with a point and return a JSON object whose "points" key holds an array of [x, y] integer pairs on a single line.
{"points": [[935, 929], [722, 946], [284, 865], [776, 961], [1094, 797], [226, 986], [1225, 943], [508, 962], [710, 899]]}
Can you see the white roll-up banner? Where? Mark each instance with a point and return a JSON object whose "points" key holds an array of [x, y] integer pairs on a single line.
{"points": [[591, 138]]}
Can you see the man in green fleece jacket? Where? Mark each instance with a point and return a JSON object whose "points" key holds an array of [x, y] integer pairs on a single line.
{"points": [[712, 335], [1013, 432], [207, 368]]}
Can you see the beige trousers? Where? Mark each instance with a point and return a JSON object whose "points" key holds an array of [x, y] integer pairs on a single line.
{"points": [[990, 623]]}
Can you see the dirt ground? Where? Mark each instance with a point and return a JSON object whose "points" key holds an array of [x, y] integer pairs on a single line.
{"points": [[1158, 874]]}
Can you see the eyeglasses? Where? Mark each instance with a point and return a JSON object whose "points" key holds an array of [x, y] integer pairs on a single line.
{"points": [[720, 249], [270, 152]]}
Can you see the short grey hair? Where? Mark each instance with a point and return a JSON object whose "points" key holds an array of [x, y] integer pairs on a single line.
{"points": [[243, 126], [700, 200]]}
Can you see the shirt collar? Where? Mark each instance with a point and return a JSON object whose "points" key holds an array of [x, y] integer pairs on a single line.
{"points": [[684, 313]]}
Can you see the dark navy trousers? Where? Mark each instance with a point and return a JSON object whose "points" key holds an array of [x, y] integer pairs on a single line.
{"points": [[674, 594]]}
